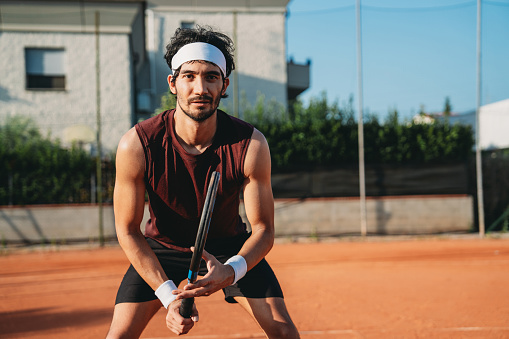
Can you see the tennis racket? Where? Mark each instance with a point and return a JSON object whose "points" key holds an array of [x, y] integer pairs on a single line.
{"points": [[186, 306]]}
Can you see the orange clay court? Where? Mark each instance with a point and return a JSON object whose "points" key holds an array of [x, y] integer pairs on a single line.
{"points": [[434, 287]]}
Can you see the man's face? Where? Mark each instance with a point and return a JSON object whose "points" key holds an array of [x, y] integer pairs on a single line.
{"points": [[199, 87]]}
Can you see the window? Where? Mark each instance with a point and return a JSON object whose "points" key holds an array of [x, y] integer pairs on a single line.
{"points": [[45, 68], [187, 24]]}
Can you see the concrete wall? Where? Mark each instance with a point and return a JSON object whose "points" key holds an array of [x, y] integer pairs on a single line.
{"points": [[387, 215], [56, 111], [54, 223], [310, 217]]}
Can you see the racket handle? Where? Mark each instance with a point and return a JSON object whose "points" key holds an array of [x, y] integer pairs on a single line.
{"points": [[186, 307]]}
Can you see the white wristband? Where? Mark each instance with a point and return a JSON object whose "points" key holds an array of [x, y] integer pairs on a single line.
{"points": [[164, 294], [239, 266]]}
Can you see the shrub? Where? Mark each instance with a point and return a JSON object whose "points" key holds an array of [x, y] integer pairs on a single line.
{"points": [[36, 170]]}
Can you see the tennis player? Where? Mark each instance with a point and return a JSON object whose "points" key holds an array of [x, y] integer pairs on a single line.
{"points": [[171, 157]]}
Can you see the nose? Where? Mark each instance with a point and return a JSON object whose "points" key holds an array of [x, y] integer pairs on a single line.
{"points": [[200, 86]]}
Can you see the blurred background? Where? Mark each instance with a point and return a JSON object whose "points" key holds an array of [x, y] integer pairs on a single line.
{"points": [[370, 109]]}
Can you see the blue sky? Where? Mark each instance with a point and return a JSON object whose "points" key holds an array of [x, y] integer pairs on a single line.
{"points": [[414, 52]]}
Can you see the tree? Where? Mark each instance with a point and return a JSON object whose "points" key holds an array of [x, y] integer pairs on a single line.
{"points": [[447, 107], [168, 101], [324, 134]]}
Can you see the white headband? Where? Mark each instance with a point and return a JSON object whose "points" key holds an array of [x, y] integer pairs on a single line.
{"points": [[199, 51]]}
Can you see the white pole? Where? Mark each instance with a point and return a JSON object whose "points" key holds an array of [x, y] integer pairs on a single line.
{"points": [[98, 136], [236, 111], [151, 46], [478, 158], [362, 183]]}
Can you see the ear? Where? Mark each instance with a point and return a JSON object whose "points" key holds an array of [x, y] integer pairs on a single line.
{"points": [[225, 85], [172, 84]]}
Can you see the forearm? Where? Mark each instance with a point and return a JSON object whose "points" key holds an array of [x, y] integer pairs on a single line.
{"points": [[142, 258], [258, 245]]}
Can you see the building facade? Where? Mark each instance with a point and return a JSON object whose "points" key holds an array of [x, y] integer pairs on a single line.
{"points": [[76, 67]]}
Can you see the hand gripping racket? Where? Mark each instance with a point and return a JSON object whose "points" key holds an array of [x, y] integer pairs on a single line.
{"points": [[186, 306]]}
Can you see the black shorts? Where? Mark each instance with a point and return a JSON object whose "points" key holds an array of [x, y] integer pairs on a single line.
{"points": [[259, 282]]}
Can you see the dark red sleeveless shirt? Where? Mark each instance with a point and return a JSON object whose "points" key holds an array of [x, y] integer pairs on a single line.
{"points": [[177, 181]]}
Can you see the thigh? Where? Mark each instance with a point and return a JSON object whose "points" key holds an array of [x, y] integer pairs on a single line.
{"points": [[130, 319], [259, 282], [134, 289]]}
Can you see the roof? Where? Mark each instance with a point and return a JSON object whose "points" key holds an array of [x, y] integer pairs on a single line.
{"points": [[68, 16], [115, 16], [226, 5]]}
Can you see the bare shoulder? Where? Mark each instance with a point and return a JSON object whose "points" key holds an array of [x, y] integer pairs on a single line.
{"points": [[258, 142], [258, 156], [130, 154], [129, 141]]}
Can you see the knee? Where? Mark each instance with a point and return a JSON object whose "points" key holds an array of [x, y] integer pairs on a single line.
{"points": [[121, 333], [112, 335], [284, 331], [115, 335]]}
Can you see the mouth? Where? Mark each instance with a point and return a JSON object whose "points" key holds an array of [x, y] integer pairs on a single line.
{"points": [[200, 101]]}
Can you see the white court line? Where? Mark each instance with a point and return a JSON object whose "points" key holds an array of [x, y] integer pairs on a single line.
{"points": [[219, 336], [261, 335], [329, 332], [468, 329]]}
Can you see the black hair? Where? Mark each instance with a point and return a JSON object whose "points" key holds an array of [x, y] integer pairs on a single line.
{"points": [[184, 36]]}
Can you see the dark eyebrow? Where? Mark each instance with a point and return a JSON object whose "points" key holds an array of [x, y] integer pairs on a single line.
{"points": [[214, 73], [188, 71]]}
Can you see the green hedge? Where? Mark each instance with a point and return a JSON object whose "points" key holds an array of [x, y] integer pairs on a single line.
{"points": [[36, 170], [323, 135]]}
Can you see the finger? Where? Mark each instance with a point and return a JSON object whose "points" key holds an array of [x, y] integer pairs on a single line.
{"points": [[178, 330], [175, 329], [200, 288], [194, 315], [197, 292], [178, 319], [207, 256], [197, 284], [173, 314], [175, 322], [210, 260]]}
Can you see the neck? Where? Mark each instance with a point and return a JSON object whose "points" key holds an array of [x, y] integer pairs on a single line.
{"points": [[195, 137]]}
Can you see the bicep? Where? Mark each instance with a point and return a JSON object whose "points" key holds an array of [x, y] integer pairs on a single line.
{"points": [[129, 193], [258, 198]]}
